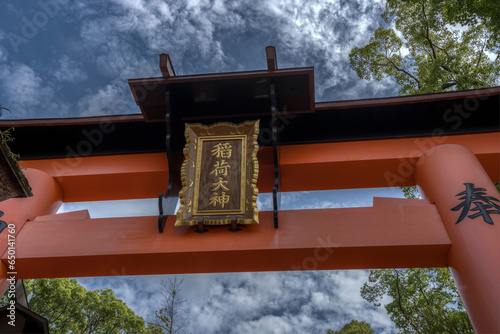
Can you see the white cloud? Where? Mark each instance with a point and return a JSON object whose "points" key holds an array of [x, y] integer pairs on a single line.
{"points": [[112, 99], [69, 70], [3, 55], [200, 35], [3, 52], [25, 92], [267, 324], [330, 29], [121, 39], [491, 56], [321, 301], [275, 302], [135, 5], [163, 27]]}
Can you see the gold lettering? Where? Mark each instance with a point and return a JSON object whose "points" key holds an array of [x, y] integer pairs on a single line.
{"points": [[220, 185], [221, 199], [220, 168], [222, 150]]}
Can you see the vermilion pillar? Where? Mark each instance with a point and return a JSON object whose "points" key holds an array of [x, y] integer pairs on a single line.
{"points": [[46, 200], [451, 177]]}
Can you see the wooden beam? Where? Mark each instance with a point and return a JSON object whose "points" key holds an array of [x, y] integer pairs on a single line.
{"points": [[19, 123], [388, 236], [398, 100], [166, 67], [345, 165], [272, 61], [115, 177], [224, 76]]}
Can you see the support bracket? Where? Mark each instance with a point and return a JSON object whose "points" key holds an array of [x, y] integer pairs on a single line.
{"points": [[168, 202], [276, 143]]}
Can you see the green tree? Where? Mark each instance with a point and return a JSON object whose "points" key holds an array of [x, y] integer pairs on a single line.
{"points": [[70, 308], [429, 46], [58, 300], [473, 12], [104, 313], [423, 300], [410, 192], [354, 327], [172, 317], [426, 52]]}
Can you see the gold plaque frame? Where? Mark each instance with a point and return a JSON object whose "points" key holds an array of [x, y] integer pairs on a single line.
{"points": [[197, 137]]}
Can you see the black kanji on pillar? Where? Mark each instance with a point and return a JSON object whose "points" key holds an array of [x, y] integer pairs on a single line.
{"points": [[484, 205]]}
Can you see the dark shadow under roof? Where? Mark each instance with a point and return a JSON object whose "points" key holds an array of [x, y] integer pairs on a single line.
{"points": [[449, 113]]}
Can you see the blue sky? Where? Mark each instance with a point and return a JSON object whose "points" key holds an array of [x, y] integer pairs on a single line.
{"points": [[61, 58]]}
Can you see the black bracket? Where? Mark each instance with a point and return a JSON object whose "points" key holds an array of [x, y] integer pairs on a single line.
{"points": [[276, 143], [234, 226], [201, 228], [167, 203]]}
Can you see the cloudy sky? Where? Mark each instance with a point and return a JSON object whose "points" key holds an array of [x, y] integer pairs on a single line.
{"points": [[62, 58], [70, 58]]}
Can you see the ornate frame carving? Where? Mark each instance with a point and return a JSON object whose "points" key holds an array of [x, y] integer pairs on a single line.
{"points": [[197, 134]]}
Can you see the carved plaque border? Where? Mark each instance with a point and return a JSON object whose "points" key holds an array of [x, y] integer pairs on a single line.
{"points": [[197, 138]]}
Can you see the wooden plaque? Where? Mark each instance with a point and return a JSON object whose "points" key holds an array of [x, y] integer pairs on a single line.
{"points": [[219, 174]]}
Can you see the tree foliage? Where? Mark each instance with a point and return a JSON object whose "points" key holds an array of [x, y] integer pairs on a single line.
{"points": [[354, 327], [172, 317], [70, 308], [474, 12], [433, 46], [423, 300], [410, 192], [425, 51]]}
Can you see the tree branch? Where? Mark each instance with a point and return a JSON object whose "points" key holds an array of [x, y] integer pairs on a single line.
{"points": [[480, 54], [400, 305], [403, 71], [427, 36], [448, 85], [442, 49], [431, 305]]}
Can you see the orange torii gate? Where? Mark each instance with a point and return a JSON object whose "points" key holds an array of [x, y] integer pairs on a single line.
{"points": [[448, 144]]}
